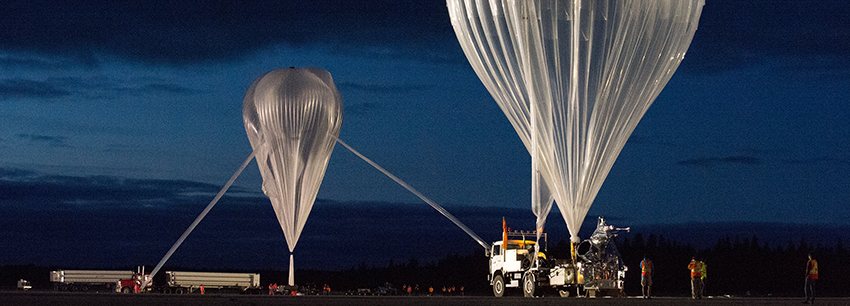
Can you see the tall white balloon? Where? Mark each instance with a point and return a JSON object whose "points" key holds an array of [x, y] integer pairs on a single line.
{"points": [[292, 117], [573, 77]]}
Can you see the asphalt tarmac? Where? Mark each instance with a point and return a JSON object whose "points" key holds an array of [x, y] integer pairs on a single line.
{"points": [[81, 299]]}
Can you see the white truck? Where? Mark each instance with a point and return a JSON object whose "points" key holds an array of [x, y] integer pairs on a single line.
{"points": [[594, 267], [85, 280], [24, 284], [181, 282]]}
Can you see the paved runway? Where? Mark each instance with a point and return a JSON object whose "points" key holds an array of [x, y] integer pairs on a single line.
{"points": [[81, 299]]}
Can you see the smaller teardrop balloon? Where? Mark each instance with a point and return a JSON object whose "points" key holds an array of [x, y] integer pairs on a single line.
{"points": [[292, 117]]}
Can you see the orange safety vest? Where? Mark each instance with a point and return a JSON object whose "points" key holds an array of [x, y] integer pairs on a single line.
{"points": [[695, 267], [645, 268], [812, 269]]}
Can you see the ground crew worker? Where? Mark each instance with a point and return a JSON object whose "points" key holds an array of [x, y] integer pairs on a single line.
{"points": [[696, 283], [646, 277], [811, 279], [202, 289], [270, 289]]}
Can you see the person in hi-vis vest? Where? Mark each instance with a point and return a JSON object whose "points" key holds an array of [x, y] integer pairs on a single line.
{"points": [[811, 279], [646, 276]]}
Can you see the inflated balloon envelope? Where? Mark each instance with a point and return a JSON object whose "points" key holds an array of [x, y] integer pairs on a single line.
{"points": [[573, 77], [292, 117]]}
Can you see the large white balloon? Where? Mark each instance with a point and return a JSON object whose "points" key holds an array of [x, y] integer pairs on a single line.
{"points": [[292, 117], [574, 78]]}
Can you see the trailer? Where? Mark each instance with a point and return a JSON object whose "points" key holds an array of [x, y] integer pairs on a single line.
{"points": [[85, 280], [184, 282]]}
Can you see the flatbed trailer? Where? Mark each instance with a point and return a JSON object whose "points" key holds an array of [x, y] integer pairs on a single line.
{"points": [[85, 280], [183, 282]]}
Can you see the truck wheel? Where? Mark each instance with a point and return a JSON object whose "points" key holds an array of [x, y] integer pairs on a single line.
{"points": [[529, 286], [126, 290], [178, 291], [84, 288], [564, 292], [498, 286]]}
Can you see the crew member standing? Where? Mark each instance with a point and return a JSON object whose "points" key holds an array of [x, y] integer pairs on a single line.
{"points": [[696, 282], [811, 279], [646, 276]]}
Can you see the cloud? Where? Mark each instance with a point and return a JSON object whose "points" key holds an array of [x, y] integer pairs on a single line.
{"points": [[183, 32], [646, 140], [97, 87], [362, 108], [31, 61], [25, 186], [14, 173], [53, 141], [28, 89], [815, 160], [716, 161], [365, 108], [731, 33], [382, 88], [734, 34], [165, 88]]}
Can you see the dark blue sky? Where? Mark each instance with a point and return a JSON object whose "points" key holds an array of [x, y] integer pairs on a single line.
{"points": [[752, 127]]}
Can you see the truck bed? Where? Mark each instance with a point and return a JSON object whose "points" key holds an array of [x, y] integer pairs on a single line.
{"points": [[89, 276], [212, 279]]}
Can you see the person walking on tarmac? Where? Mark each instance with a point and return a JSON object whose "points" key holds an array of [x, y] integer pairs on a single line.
{"points": [[811, 279], [646, 276], [696, 283]]}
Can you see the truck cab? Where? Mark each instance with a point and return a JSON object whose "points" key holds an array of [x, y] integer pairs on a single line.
{"points": [[24, 285], [133, 285], [510, 259]]}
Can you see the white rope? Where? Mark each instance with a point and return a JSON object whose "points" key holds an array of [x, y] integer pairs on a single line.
{"points": [[197, 220], [436, 206]]}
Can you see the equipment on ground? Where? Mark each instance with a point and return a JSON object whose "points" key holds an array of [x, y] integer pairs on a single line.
{"points": [[85, 280], [24, 285], [594, 269], [184, 282]]}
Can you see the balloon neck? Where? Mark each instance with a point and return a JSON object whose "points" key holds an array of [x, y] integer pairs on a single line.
{"points": [[291, 271], [573, 252]]}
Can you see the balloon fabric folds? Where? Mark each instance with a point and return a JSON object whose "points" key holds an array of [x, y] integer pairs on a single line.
{"points": [[574, 78], [292, 117]]}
